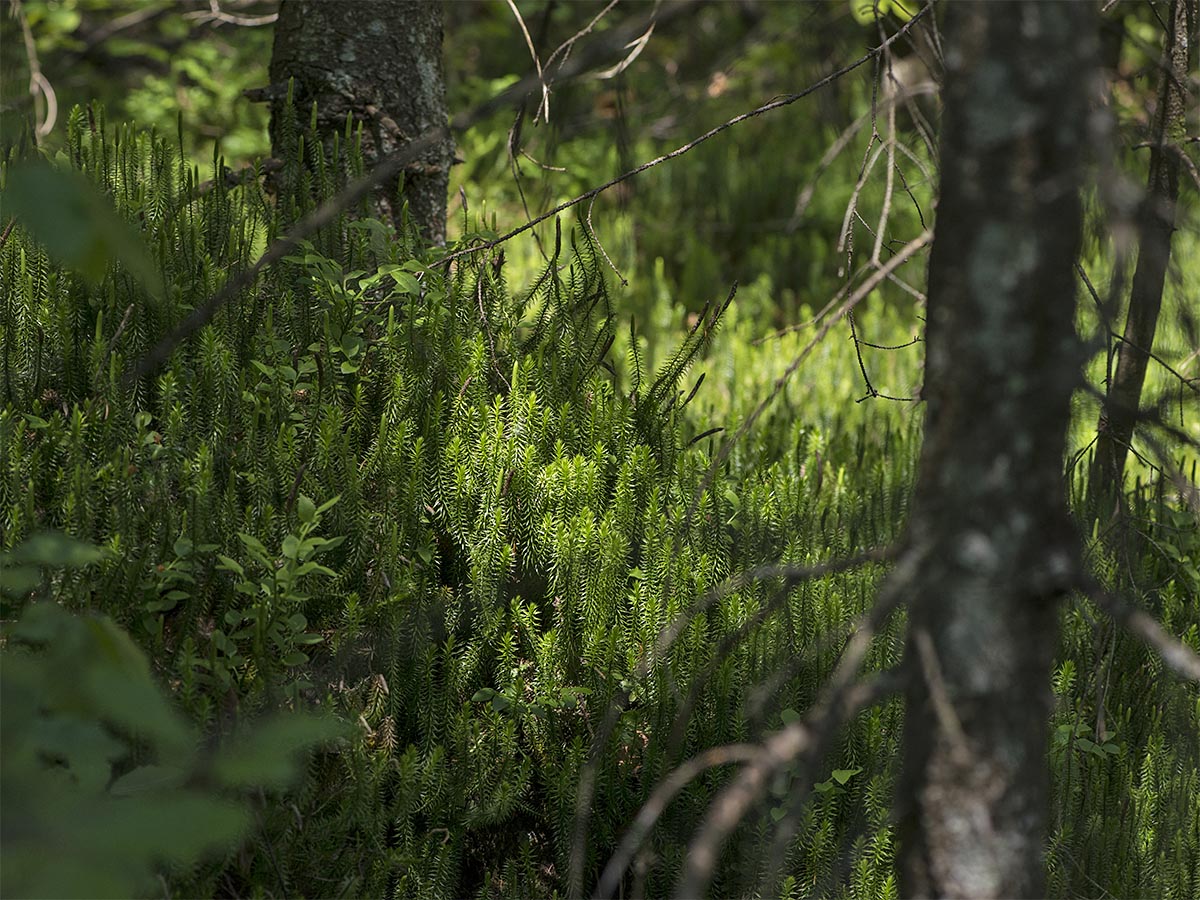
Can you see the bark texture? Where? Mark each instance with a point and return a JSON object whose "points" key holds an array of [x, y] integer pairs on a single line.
{"points": [[1155, 225], [990, 524], [380, 63]]}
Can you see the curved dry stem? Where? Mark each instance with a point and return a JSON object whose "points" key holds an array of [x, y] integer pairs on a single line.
{"points": [[663, 794], [807, 738]]}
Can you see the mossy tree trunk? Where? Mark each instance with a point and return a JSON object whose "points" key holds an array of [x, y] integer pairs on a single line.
{"points": [[380, 63], [990, 523]]}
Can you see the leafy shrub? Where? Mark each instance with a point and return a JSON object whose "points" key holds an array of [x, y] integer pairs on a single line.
{"points": [[102, 780]]}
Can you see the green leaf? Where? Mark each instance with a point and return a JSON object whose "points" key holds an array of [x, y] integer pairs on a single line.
{"points": [[306, 510], [327, 505], [50, 548], [789, 716], [162, 604], [148, 778], [483, 695], [841, 776], [256, 548], [77, 223], [230, 565], [266, 756], [291, 546], [310, 568], [406, 283]]}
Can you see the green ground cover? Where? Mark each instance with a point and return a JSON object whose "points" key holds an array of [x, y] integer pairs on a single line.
{"points": [[457, 509]]}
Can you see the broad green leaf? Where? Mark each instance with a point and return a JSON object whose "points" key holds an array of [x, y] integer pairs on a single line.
{"points": [[231, 565], [306, 510], [266, 756], [77, 223], [148, 778], [406, 283], [50, 548]]}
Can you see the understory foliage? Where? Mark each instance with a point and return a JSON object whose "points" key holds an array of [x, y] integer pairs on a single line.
{"points": [[446, 510]]}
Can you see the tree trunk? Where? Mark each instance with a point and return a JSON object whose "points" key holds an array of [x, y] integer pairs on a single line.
{"points": [[1156, 224], [990, 521], [379, 62]]}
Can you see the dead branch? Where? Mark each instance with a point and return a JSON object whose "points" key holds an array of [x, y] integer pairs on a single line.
{"points": [[786, 100], [664, 793], [806, 739], [1176, 655]]}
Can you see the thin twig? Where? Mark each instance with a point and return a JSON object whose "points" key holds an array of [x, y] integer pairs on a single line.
{"points": [[947, 718], [786, 100], [113, 342], [544, 106], [565, 47], [664, 793], [216, 14], [808, 738], [1176, 655], [39, 85]]}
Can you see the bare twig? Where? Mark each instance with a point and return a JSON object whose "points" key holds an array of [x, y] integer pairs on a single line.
{"points": [[39, 85], [1176, 655], [807, 738], [664, 793], [635, 48], [868, 285], [948, 719], [1192, 384], [216, 14], [112, 344], [565, 47], [786, 100], [544, 106]]}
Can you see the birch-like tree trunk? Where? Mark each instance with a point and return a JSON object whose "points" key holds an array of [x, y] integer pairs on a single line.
{"points": [[380, 63], [990, 522]]}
